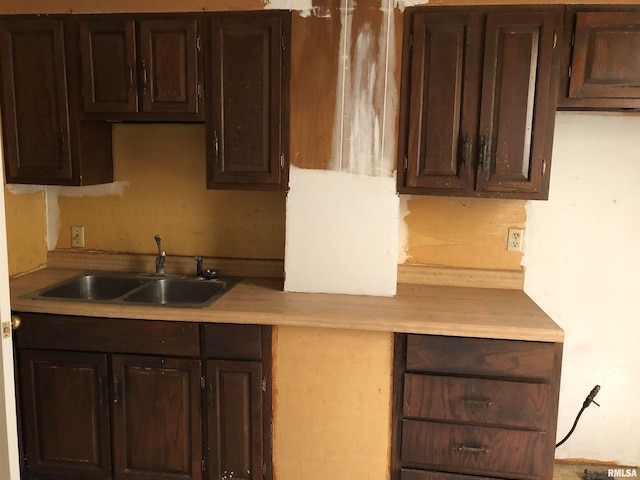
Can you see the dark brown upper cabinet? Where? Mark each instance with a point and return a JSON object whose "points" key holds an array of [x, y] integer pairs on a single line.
{"points": [[247, 101], [601, 58], [477, 111], [45, 141], [142, 68]]}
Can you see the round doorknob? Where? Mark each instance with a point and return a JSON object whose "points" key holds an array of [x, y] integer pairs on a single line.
{"points": [[15, 322]]}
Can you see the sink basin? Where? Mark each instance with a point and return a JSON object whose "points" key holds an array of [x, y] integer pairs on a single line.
{"points": [[180, 292], [94, 287], [170, 291]]}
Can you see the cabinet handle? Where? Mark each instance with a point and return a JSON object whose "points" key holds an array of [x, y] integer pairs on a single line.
{"points": [[130, 77], [478, 403], [466, 150], [216, 146], [144, 74], [464, 448], [485, 155], [116, 390]]}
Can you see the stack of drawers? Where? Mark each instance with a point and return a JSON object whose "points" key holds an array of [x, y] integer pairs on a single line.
{"points": [[474, 407]]}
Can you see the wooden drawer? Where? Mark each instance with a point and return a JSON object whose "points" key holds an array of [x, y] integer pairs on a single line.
{"points": [[95, 334], [410, 474], [485, 450], [493, 402], [479, 356], [224, 341]]}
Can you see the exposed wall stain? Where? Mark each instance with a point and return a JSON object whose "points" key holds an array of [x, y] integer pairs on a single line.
{"points": [[364, 130]]}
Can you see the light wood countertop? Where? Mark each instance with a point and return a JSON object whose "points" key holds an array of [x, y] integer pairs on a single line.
{"points": [[425, 309]]}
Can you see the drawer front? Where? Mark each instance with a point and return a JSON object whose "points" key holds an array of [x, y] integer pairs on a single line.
{"points": [[476, 356], [410, 474], [487, 450], [95, 334], [224, 341], [493, 402]]}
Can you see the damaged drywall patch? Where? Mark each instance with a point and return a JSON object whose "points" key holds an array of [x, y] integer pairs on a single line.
{"points": [[364, 124], [52, 193], [342, 233]]}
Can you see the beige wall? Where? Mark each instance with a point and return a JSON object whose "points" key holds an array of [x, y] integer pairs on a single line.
{"points": [[164, 192]]}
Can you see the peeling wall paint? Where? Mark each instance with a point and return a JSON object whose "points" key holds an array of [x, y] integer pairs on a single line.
{"points": [[52, 193], [366, 105]]}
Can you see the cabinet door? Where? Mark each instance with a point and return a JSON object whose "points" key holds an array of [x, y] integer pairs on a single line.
{"points": [[35, 119], [109, 73], [445, 64], [246, 111], [235, 419], [156, 417], [519, 92], [65, 414], [605, 56], [169, 60]]}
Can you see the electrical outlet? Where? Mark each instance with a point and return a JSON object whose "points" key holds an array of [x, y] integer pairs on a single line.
{"points": [[77, 237], [514, 239]]}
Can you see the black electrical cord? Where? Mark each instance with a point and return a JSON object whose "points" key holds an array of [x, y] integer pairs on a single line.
{"points": [[585, 404]]}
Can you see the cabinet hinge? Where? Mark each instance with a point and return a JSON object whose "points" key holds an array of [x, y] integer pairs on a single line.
{"points": [[406, 163], [569, 72], [202, 382], [264, 384], [282, 161], [282, 42], [544, 166], [199, 90], [198, 45], [203, 465], [555, 39], [411, 41]]}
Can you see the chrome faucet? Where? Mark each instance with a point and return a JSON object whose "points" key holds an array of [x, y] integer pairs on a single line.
{"points": [[162, 256]]}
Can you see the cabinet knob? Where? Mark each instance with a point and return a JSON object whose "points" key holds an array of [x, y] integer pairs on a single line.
{"points": [[15, 322]]}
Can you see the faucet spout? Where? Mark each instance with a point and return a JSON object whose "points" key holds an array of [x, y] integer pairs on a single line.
{"points": [[161, 257]]}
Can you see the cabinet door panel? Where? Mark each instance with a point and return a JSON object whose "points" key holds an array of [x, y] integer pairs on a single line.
{"points": [[65, 414], [156, 410], [517, 117], [169, 61], [109, 70], [235, 419], [605, 56], [244, 138], [35, 115], [443, 103]]}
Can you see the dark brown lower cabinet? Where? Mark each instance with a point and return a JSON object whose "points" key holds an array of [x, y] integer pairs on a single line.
{"points": [[143, 399], [471, 408], [65, 415], [157, 428], [235, 419]]}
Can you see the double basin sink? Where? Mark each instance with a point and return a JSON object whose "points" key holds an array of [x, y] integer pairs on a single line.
{"points": [[141, 289]]}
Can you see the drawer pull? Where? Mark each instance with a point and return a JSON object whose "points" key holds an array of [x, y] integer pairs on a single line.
{"points": [[478, 403], [464, 448]]}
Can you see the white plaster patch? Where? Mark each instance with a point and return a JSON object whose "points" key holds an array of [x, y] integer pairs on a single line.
{"points": [[342, 233], [364, 124], [402, 4], [53, 210], [18, 189], [305, 7], [403, 230]]}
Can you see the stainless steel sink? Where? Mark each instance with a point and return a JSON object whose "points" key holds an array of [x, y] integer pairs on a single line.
{"points": [[170, 291], [94, 287], [180, 292]]}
